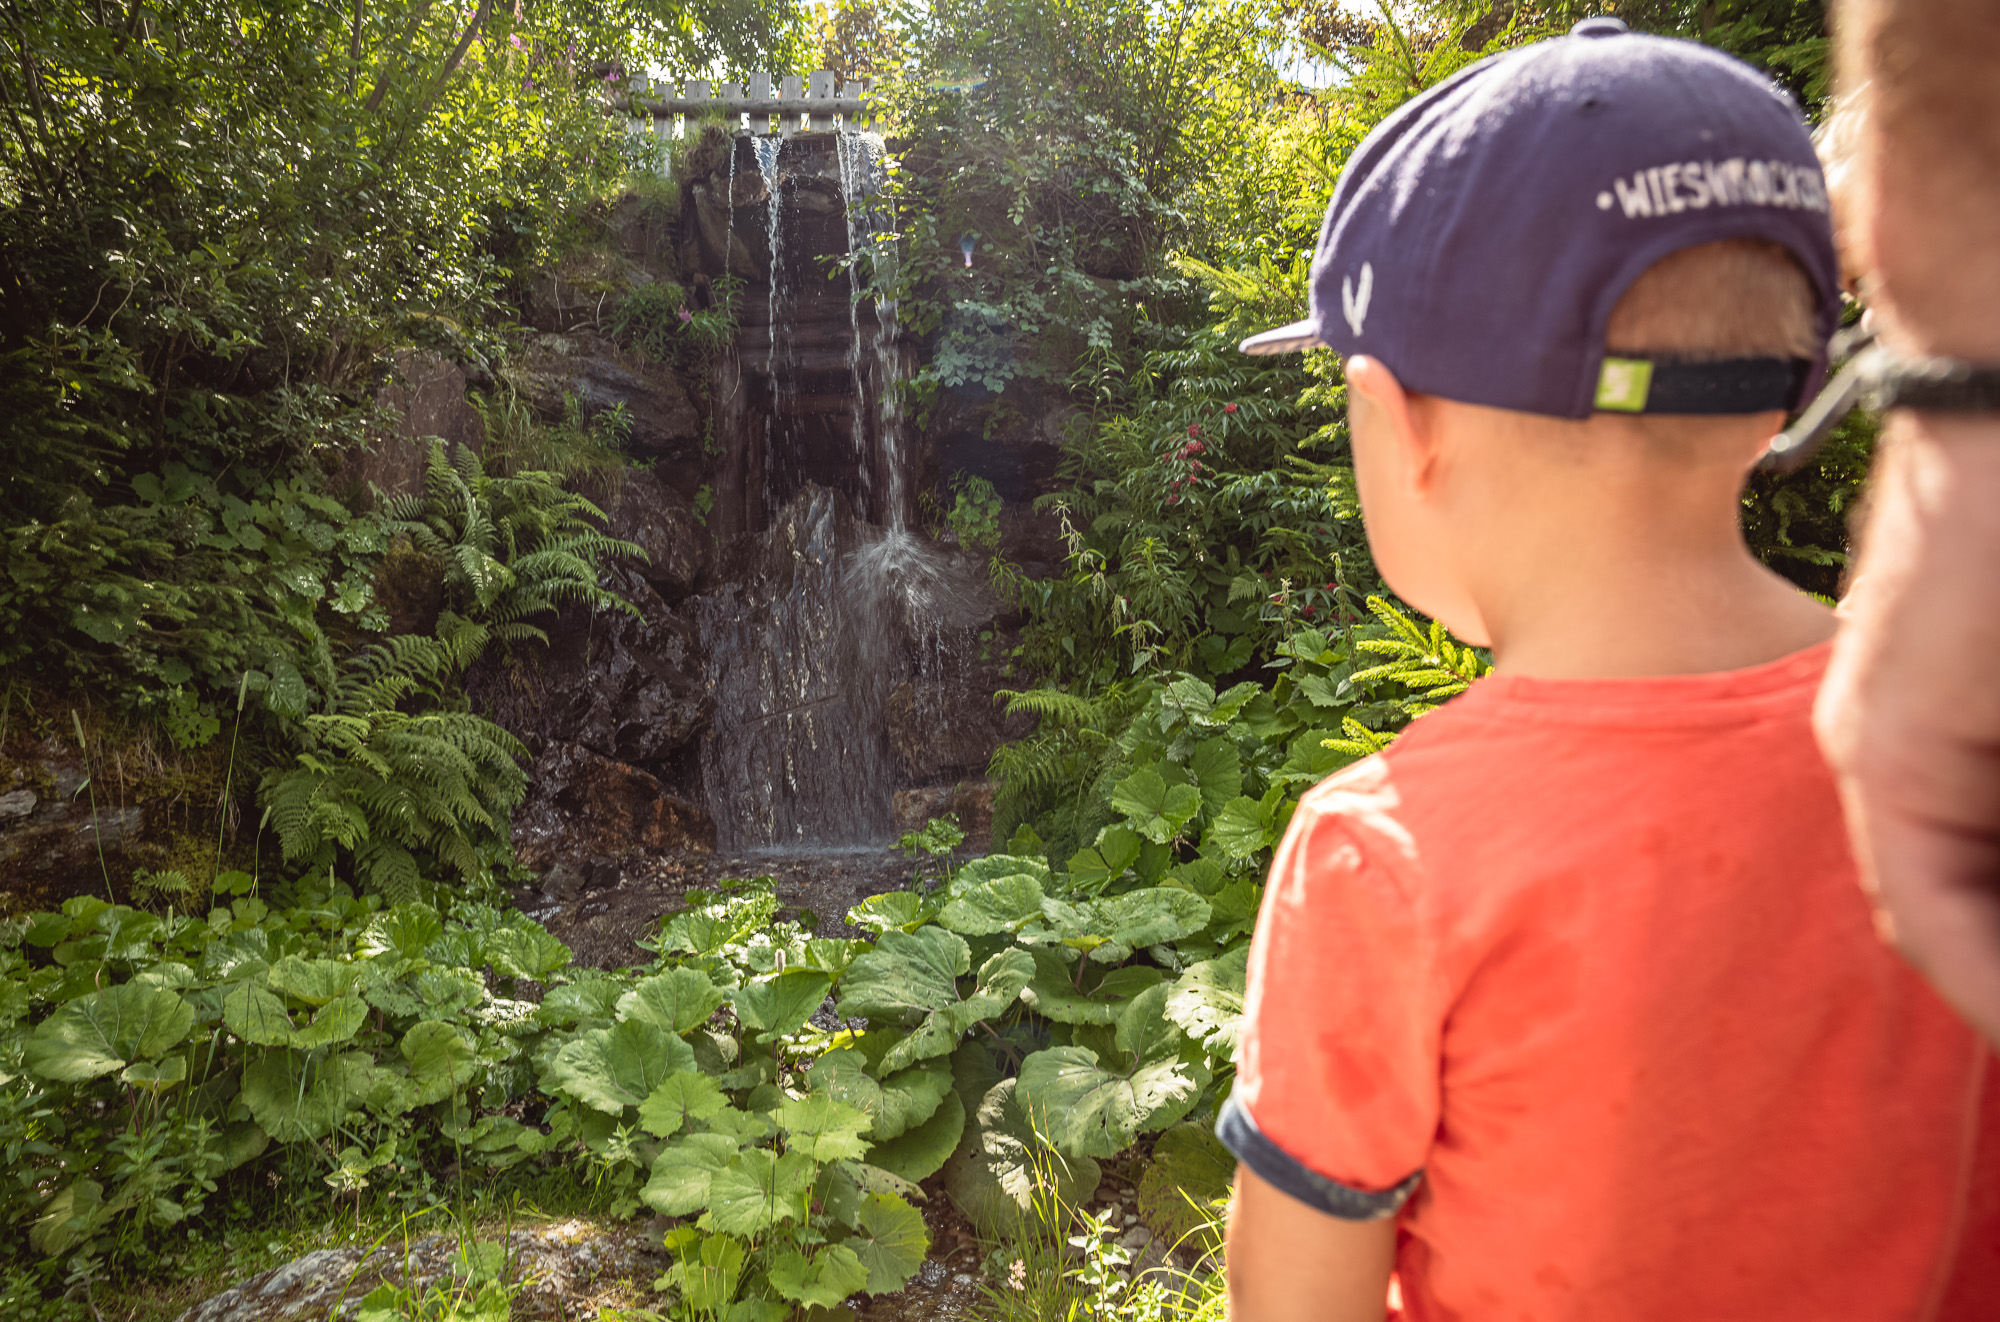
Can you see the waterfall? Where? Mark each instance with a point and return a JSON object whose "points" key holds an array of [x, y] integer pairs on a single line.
{"points": [[768, 151], [854, 192], [845, 604], [729, 213]]}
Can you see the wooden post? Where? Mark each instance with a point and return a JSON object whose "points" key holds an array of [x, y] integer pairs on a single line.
{"points": [[821, 89], [760, 90], [850, 91], [794, 90]]}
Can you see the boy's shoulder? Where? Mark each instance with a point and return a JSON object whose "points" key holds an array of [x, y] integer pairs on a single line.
{"points": [[1518, 777]]}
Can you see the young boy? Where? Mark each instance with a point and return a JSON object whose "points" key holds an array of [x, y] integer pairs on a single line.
{"points": [[1566, 1006]]}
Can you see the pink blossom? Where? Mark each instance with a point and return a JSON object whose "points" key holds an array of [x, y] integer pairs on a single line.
{"points": [[1229, 408], [1194, 429]]}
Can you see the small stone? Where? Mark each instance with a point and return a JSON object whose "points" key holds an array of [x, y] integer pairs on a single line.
{"points": [[961, 1279], [1131, 1218]]}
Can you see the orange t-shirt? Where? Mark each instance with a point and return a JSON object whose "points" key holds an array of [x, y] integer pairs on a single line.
{"points": [[1581, 968]]}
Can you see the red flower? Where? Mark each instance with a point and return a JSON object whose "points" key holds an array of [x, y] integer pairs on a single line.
{"points": [[1173, 500], [1329, 587], [1309, 610], [1194, 447], [1194, 429], [1229, 408]]}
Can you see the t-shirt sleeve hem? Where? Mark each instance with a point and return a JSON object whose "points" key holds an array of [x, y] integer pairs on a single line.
{"points": [[1286, 1173]]}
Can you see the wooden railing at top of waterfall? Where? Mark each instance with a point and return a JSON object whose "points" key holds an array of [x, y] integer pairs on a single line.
{"points": [[797, 105]]}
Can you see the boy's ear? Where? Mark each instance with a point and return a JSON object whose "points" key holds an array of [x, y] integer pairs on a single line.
{"points": [[1408, 424]]}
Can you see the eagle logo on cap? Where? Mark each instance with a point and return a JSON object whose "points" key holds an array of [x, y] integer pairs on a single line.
{"points": [[1354, 299]]}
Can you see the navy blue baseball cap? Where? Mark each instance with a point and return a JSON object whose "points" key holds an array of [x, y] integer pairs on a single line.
{"points": [[1480, 236]]}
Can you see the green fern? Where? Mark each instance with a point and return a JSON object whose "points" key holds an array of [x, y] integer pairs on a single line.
{"points": [[511, 547], [392, 774], [391, 788]]}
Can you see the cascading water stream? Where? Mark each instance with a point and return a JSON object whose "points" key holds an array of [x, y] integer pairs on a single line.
{"points": [[804, 657], [853, 192], [768, 151], [729, 213]]}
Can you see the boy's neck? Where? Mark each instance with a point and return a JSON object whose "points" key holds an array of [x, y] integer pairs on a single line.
{"points": [[1625, 569]]}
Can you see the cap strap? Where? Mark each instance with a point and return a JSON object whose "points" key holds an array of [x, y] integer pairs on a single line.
{"points": [[1721, 386]]}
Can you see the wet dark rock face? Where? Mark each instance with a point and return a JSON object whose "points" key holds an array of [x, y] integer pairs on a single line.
{"points": [[645, 510], [610, 709], [549, 369], [583, 804], [627, 687], [795, 752], [50, 832]]}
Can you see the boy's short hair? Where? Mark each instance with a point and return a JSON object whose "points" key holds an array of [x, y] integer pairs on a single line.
{"points": [[1734, 298]]}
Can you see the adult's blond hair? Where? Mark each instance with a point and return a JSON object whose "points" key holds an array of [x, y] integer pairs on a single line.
{"points": [[1734, 298]]}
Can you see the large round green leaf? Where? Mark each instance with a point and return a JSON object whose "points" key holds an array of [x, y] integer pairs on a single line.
{"points": [[613, 1068], [758, 1190], [683, 1099], [401, 933], [1155, 809], [1001, 979], [997, 905], [314, 981], [256, 1016], [910, 1097], [920, 1152], [297, 1097], [781, 1003], [441, 1061], [587, 1000], [1053, 992], [683, 1171], [892, 911], [1207, 1001], [1087, 1110], [677, 1000], [822, 1281], [822, 1128], [107, 1030], [337, 1020], [1189, 1171], [1003, 1166], [524, 952], [906, 975], [892, 1242], [1146, 917]]}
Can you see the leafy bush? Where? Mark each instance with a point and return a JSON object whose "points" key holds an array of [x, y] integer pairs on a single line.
{"points": [[167, 1051], [662, 322], [1011, 1011]]}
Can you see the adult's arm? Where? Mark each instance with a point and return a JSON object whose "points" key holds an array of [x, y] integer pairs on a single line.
{"points": [[1288, 1262], [1910, 714]]}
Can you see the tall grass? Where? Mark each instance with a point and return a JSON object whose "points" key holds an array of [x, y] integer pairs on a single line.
{"points": [[1065, 1264]]}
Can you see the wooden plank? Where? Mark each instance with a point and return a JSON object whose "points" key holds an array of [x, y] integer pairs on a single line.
{"points": [[760, 90], [793, 89]]}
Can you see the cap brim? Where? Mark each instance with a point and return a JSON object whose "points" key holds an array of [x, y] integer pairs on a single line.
{"points": [[1285, 339]]}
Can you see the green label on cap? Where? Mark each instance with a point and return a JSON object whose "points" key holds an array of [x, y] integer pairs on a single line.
{"points": [[1623, 383]]}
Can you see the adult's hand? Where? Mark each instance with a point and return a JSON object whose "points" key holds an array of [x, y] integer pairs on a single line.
{"points": [[1910, 714]]}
